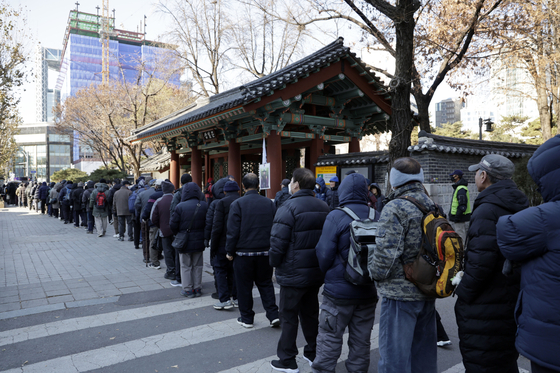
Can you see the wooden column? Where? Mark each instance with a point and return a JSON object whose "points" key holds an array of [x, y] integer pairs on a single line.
{"points": [[174, 169], [274, 154], [354, 145], [207, 171], [316, 150], [234, 161], [196, 166]]}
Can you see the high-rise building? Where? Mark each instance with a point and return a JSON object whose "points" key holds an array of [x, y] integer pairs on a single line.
{"points": [[47, 66], [82, 57], [448, 111]]}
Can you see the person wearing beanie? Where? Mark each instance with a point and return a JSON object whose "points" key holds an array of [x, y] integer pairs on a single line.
{"points": [[160, 216], [154, 249], [404, 308], [223, 268], [283, 194], [185, 178], [334, 183], [98, 205], [120, 209]]}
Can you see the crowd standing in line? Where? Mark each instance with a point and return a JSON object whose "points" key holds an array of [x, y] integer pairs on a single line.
{"points": [[504, 306]]}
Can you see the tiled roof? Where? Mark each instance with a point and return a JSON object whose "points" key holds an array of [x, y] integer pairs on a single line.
{"points": [[258, 88], [156, 162], [428, 141]]}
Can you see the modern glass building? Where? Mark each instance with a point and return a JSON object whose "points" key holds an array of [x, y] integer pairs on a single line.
{"points": [[33, 160]]}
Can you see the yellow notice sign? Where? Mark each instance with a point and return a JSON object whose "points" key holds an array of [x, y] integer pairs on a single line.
{"points": [[326, 172]]}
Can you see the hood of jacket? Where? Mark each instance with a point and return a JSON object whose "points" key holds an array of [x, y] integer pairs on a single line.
{"points": [[376, 186], [190, 191], [218, 188], [116, 187], [544, 168], [353, 189], [90, 184], [72, 186], [505, 195], [321, 182], [101, 187]]}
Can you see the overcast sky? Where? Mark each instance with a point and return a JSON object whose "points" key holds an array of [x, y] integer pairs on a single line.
{"points": [[47, 21]]}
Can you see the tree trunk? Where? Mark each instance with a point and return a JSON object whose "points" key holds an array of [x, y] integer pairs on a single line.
{"points": [[544, 111], [402, 118], [423, 103]]}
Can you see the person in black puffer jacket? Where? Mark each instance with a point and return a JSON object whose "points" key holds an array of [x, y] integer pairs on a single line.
{"points": [[85, 201], [217, 194], [295, 232], [487, 298], [223, 268], [79, 212], [283, 194], [190, 255], [344, 304]]}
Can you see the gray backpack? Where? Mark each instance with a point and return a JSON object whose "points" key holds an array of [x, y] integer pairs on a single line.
{"points": [[362, 246]]}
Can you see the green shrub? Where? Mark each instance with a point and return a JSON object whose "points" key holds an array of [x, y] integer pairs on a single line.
{"points": [[69, 174], [525, 183]]}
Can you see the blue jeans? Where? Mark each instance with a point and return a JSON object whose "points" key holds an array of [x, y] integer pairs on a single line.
{"points": [[407, 337]]}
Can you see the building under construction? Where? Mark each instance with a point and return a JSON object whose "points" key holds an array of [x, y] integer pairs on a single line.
{"points": [[95, 51]]}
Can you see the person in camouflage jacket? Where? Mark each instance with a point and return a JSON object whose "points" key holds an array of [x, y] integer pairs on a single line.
{"points": [[407, 323]]}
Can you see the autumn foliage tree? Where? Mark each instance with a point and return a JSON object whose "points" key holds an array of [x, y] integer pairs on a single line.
{"points": [[103, 115]]}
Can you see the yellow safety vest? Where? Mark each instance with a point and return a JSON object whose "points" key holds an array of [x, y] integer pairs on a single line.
{"points": [[455, 201]]}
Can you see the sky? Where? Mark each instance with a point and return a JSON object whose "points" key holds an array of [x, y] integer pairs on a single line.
{"points": [[47, 21]]}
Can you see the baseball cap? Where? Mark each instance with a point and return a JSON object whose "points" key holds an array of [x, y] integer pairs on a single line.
{"points": [[286, 182], [456, 172], [496, 165]]}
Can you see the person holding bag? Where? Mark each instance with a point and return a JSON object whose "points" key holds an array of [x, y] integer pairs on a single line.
{"points": [[188, 223]]}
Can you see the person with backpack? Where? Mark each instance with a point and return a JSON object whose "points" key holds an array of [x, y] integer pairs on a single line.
{"points": [[407, 322], [85, 201], [296, 229], [531, 240], [485, 308], [98, 205], [66, 201], [345, 305]]}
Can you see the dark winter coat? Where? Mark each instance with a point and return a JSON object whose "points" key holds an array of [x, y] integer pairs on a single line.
{"points": [[95, 210], [77, 198], [532, 238], [463, 202], [43, 191], [219, 225], [332, 248], [380, 199], [147, 211], [323, 193], [249, 223], [486, 297], [36, 191], [161, 214], [296, 230], [217, 193], [120, 201], [334, 201], [111, 194], [87, 194], [184, 214], [68, 189], [281, 197]]}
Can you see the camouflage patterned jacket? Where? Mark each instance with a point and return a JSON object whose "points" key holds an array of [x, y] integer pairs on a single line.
{"points": [[399, 237]]}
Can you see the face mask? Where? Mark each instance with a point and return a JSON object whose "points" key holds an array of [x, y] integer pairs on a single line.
{"points": [[290, 188], [452, 179], [317, 186]]}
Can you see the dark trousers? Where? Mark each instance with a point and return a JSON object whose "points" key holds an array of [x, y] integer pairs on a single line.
{"points": [[43, 205], [145, 229], [125, 223], [90, 221], [441, 334], [251, 270], [298, 304], [536, 368], [169, 256], [136, 227], [55, 212], [224, 275], [66, 213], [49, 209], [78, 216]]}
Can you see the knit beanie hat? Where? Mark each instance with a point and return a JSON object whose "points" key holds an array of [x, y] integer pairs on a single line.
{"points": [[167, 187], [231, 186]]}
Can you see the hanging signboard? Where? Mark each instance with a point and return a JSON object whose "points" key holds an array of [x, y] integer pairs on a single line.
{"points": [[209, 136], [264, 176]]}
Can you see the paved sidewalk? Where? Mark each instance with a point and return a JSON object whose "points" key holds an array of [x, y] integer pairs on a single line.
{"points": [[46, 265]]}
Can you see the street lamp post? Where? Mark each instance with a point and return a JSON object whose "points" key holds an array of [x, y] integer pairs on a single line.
{"points": [[488, 122]]}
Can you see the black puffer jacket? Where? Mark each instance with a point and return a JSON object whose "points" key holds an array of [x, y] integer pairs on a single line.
{"points": [[219, 225], [281, 197], [249, 223], [296, 230], [77, 198], [485, 308], [218, 193], [184, 213]]}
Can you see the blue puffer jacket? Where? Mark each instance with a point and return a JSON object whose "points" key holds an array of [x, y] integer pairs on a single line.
{"points": [[184, 213], [43, 191], [532, 237], [332, 249], [297, 227], [323, 193]]}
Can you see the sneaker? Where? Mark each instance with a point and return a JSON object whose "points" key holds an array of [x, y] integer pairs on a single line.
{"points": [[188, 293], [89, 232], [309, 359], [100, 235], [290, 367], [130, 239], [223, 305], [169, 276], [137, 247], [197, 292], [175, 283], [235, 302], [116, 236], [121, 239], [154, 266], [243, 324], [443, 343], [275, 323], [215, 296]]}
